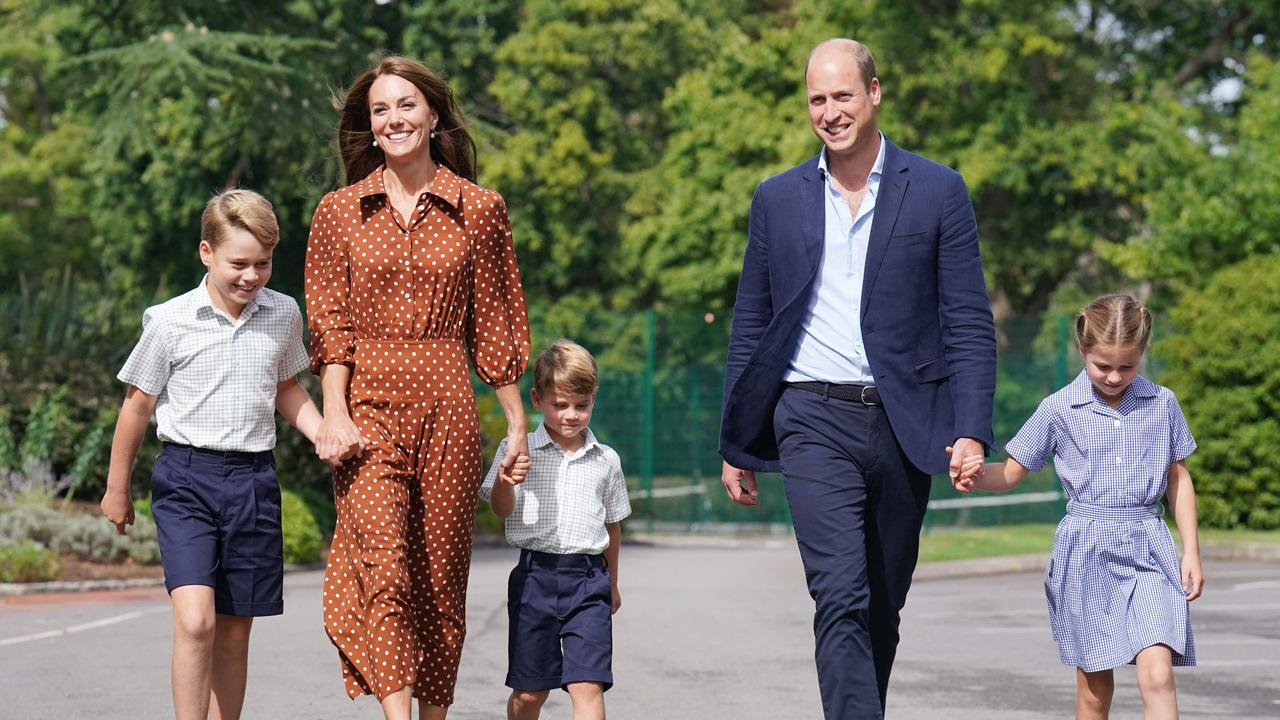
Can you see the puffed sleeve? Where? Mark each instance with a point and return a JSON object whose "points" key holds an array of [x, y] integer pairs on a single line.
{"points": [[1181, 444], [497, 322], [1037, 440], [328, 285]]}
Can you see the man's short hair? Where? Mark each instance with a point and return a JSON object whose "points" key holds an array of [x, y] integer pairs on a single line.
{"points": [[243, 209], [565, 366], [861, 56]]}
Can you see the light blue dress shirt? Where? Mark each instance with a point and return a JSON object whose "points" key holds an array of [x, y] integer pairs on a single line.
{"points": [[830, 347]]}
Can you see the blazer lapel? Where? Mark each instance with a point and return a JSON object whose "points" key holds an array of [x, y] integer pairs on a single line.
{"points": [[803, 261], [893, 186]]}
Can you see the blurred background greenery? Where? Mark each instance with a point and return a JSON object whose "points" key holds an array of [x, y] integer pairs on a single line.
{"points": [[1109, 145]]}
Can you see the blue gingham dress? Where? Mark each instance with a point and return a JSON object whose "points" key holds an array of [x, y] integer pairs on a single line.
{"points": [[1114, 582]]}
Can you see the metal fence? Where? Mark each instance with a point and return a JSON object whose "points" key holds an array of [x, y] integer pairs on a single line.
{"points": [[661, 378]]}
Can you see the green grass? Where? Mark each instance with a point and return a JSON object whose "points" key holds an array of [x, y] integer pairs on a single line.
{"points": [[1238, 536], [946, 544], [941, 544]]}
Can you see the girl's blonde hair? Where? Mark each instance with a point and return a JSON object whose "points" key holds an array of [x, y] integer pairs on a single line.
{"points": [[243, 209], [565, 366], [1116, 320]]}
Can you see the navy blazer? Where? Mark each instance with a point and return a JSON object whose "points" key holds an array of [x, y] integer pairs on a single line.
{"points": [[926, 320]]}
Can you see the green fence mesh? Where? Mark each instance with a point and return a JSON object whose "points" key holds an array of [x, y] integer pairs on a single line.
{"points": [[661, 383]]}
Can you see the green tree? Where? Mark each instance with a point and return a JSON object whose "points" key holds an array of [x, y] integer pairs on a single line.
{"points": [[1224, 365]]}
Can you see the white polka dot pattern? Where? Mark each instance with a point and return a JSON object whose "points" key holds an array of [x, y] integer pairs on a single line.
{"points": [[405, 305]]}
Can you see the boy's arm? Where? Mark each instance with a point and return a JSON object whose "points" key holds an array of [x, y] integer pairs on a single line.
{"points": [[131, 426], [294, 403], [503, 499], [1182, 501], [611, 557]]}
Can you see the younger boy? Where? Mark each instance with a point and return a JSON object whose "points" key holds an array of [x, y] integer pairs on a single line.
{"points": [[214, 364], [565, 517]]}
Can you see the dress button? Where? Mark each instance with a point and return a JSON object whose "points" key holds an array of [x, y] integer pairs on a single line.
{"points": [[1119, 461], [1116, 423]]}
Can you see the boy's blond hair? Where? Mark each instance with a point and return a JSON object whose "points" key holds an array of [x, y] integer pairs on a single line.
{"points": [[243, 209], [565, 366], [1116, 320]]}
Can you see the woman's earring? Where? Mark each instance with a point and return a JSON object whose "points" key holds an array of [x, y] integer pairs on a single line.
{"points": [[375, 142], [433, 133]]}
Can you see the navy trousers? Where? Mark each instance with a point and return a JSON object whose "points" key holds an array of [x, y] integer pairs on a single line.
{"points": [[857, 504]]}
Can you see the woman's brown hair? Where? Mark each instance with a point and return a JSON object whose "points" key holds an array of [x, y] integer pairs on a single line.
{"points": [[452, 146], [1113, 320]]}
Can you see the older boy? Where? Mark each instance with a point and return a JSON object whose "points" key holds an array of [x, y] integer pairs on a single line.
{"points": [[214, 364], [565, 517]]}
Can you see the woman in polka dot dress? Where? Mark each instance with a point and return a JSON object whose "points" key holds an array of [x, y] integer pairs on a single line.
{"points": [[410, 272]]}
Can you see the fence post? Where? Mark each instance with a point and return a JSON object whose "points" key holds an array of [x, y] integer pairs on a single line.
{"points": [[647, 423], [697, 446]]}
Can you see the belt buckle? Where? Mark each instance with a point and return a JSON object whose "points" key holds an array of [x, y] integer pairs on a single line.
{"points": [[862, 395]]}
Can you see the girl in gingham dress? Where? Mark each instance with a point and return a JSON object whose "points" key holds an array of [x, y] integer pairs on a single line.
{"points": [[1116, 591]]}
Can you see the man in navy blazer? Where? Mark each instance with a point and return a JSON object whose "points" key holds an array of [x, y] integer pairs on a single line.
{"points": [[862, 348]]}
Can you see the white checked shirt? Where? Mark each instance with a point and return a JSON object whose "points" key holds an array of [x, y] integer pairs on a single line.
{"points": [[567, 498], [215, 378]]}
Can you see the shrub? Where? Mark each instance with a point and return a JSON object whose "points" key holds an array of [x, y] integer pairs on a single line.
{"points": [[28, 561], [1224, 365], [85, 536], [302, 538]]}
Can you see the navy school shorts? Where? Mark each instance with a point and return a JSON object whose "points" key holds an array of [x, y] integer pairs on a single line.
{"points": [[561, 625], [218, 523]]}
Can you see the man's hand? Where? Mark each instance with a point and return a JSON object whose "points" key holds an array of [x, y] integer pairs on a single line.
{"points": [[971, 469], [338, 439], [961, 452], [118, 507], [740, 484], [617, 598]]}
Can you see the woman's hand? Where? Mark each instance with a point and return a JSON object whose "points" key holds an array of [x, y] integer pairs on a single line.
{"points": [[338, 439], [515, 464]]}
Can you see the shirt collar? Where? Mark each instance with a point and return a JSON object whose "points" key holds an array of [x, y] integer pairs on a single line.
{"points": [[446, 185], [873, 177], [203, 299], [540, 438], [1080, 391]]}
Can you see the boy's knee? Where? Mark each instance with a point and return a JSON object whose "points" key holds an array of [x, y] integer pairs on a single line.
{"points": [[529, 698], [580, 691], [194, 625]]}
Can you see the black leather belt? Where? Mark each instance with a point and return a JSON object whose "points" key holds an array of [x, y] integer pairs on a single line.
{"points": [[865, 394]]}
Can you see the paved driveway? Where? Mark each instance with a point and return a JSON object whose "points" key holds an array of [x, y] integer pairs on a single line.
{"points": [[704, 632]]}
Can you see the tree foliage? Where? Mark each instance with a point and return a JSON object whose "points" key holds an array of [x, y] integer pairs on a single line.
{"points": [[1224, 365], [1109, 144]]}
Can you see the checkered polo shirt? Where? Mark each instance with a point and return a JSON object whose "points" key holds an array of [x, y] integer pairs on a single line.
{"points": [[566, 499], [215, 378]]}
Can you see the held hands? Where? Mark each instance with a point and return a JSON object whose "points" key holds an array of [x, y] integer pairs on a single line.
{"points": [[966, 467], [1192, 576], [338, 439], [118, 508], [515, 464], [740, 484]]}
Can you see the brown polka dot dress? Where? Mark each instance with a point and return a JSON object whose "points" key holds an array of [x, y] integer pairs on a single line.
{"points": [[405, 305]]}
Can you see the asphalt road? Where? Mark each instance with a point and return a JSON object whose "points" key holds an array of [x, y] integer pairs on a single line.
{"points": [[704, 632]]}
